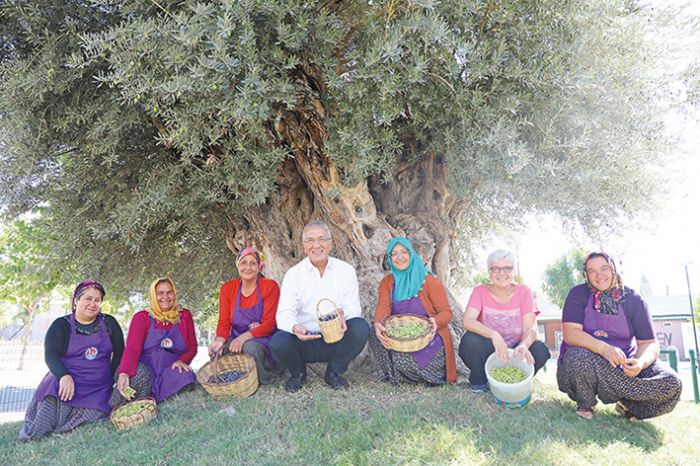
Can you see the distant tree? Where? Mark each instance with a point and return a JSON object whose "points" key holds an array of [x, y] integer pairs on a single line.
{"points": [[27, 273], [644, 287], [562, 275]]}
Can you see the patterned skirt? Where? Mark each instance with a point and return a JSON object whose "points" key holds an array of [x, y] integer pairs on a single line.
{"points": [[585, 376], [53, 415], [397, 367]]}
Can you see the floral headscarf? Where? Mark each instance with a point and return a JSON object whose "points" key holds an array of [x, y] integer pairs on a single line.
{"points": [[606, 301], [84, 285], [251, 251]]}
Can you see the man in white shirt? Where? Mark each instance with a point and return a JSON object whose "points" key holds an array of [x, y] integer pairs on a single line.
{"points": [[299, 341]]}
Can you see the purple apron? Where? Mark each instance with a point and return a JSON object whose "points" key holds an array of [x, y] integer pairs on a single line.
{"points": [[415, 306], [243, 318], [612, 329], [87, 360], [161, 349]]}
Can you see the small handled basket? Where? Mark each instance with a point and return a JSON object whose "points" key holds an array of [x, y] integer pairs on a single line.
{"points": [[332, 324], [144, 410], [210, 376], [410, 344]]}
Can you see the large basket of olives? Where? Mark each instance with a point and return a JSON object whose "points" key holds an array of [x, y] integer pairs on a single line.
{"points": [[330, 323], [134, 413], [231, 375], [407, 332]]}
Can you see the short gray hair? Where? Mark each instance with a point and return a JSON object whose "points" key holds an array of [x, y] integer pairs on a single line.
{"points": [[316, 224], [499, 254]]}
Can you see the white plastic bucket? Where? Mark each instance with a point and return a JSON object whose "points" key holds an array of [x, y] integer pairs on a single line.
{"points": [[513, 395]]}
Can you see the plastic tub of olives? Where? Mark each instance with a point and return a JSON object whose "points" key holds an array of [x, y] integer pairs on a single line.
{"points": [[511, 384]]}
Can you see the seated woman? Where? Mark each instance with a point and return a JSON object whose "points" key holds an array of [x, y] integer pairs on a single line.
{"points": [[159, 348], [610, 349], [411, 289], [247, 308], [499, 316], [82, 350]]}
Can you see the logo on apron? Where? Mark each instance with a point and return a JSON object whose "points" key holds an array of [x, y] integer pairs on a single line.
{"points": [[91, 353], [167, 343], [600, 334]]}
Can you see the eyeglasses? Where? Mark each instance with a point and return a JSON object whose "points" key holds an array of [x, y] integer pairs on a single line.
{"points": [[319, 240], [403, 252], [507, 269]]}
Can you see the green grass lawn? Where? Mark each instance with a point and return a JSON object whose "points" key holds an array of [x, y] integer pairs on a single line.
{"points": [[372, 423]]}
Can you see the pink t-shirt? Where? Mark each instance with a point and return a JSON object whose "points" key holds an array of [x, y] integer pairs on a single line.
{"points": [[505, 318]]}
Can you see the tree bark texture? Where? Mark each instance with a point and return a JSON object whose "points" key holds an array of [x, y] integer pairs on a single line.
{"points": [[416, 203]]}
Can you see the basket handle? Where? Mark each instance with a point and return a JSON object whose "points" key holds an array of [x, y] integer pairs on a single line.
{"points": [[335, 308], [216, 368]]}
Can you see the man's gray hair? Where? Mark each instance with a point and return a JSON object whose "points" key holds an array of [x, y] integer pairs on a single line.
{"points": [[499, 254], [315, 224]]}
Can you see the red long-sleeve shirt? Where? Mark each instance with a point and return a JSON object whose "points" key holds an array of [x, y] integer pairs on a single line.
{"points": [[270, 294], [138, 329]]}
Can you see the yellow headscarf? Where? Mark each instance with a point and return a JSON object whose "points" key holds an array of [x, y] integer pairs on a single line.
{"points": [[171, 316]]}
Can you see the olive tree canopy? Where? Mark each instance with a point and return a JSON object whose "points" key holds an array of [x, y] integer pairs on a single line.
{"points": [[159, 136]]}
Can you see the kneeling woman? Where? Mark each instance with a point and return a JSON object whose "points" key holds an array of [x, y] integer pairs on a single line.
{"points": [[82, 350], [247, 308], [411, 289], [159, 348], [610, 349]]}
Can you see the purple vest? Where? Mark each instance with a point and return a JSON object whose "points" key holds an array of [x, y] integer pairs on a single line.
{"points": [[612, 329], [243, 317], [415, 306], [161, 348], [88, 361]]}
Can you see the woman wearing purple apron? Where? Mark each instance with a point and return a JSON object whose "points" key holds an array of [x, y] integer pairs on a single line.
{"points": [[82, 351], [247, 307], [610, 349], [411, 289], [159, 348]]}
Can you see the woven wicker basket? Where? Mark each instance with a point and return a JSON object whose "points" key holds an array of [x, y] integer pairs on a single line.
{"points": [[332, 330], [408, 345], [243, 387], [143, 416]]}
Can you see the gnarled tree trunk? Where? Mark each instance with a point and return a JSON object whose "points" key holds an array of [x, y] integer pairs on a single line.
{"points": [[363, 217]]}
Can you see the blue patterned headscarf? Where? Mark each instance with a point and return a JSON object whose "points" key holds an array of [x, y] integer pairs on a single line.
{"points": [[407, 282]]}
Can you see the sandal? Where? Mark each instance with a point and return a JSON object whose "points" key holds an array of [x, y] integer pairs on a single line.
{"points": [[622, 409], [585, 413]]}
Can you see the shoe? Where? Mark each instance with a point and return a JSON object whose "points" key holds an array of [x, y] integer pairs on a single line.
{"points": [[479, 388], [295, 382], [585, 413], [623, 410], [335, 381]]}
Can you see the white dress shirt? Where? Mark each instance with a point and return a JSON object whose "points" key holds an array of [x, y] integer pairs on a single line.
{"points": [[303, 287]]}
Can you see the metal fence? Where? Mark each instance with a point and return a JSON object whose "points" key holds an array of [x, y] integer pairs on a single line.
{"points": [[17, 385]]}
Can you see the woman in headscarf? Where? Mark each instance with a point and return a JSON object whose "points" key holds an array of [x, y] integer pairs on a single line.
{"points": [[610, 349], [500, 315], [82, 350], [411, 289], [160, 346], [247, 308]]}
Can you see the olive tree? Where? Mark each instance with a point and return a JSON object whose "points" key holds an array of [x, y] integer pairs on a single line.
{"points": [[160, 136]]}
